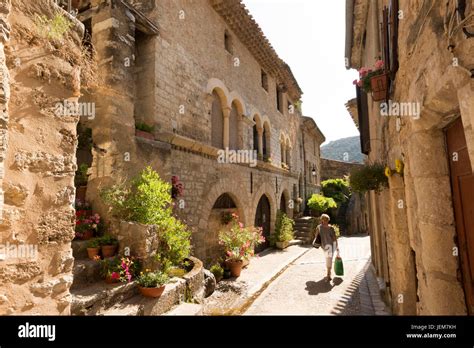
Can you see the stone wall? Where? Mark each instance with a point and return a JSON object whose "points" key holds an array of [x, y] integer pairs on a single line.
{"points": [[38, 158], [331, 169]]}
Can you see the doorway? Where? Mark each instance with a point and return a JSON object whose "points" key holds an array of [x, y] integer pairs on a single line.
{"points": [[462, 185], [262, 219]]}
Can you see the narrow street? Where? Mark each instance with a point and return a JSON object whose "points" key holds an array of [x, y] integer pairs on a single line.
{"points": [[302, 290]]}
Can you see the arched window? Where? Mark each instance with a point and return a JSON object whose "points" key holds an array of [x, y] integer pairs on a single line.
{"points": [[255, 138], [217, 122], [234, 128], [224, 202]]}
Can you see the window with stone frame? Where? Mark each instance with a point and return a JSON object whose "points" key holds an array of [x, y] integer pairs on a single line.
{"points": [[217, 122], [228, 42], [264, 80], [279, 98]]}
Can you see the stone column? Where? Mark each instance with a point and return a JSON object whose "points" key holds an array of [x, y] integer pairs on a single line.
{"points": [[226, 114], [260, 141]]}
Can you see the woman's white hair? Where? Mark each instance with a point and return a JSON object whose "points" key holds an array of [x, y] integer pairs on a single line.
{"points": [[325, 217]]}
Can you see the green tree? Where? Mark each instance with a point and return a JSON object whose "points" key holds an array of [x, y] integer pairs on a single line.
{"points": [[337, 189], [321, 204]]}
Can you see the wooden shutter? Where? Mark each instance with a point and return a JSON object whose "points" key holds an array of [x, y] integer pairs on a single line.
{"points": [[364, 127], [393, 38], [385, 38]]}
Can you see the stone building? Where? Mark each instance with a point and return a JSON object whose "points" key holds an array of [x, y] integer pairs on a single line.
{"points": [[422, 226], [203, 88]]}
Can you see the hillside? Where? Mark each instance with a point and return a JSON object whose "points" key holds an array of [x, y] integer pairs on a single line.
{"points": [[336, 149]]}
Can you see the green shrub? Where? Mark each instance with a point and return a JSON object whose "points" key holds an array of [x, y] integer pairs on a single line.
{"points": [[107, 240], [81, 175], [93, 243], [369, 177], [283, 228], [218, 271], [152, 279], [321, 204], [337, 189], [144, 127], [147, 200]]}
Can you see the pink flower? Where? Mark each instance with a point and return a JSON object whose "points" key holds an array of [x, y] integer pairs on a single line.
{"points": [[241, 225], [115, 275], [379, 64]]}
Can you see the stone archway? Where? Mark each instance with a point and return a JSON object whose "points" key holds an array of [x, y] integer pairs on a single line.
{"points": [[263, 217], [284, 202]]}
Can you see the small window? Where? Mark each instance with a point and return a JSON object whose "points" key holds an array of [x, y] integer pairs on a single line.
{"points": [[264, 80], [228, 42], [279, 98]]}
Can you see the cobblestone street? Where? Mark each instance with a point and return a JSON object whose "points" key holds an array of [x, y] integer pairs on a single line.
{"points": [[302, 290]]}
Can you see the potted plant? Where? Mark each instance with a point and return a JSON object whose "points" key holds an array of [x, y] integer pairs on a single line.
{"points": [[370, 177], [152, 284], [86, 225], [283, 230], [108, 245], [218, 272], [239, 243], [144, 131], [93, 248], [81, 179], [374, 80], [119, 269]]}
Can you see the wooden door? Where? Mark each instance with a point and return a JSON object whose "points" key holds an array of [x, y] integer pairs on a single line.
{"points": [[262, 219], [462, 183]]}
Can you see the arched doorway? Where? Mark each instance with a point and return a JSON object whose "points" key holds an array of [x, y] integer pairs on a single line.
{"points": [[262, 219]]}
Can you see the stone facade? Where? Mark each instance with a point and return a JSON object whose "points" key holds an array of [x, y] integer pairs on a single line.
{"points": [[37, 156], [203, 88], [412, 224], [336, 169]]}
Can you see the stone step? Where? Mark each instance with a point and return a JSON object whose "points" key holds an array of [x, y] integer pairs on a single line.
{"points": [[79, 249], [126, 308], [86, 271], [92, 298], [186, 309]]}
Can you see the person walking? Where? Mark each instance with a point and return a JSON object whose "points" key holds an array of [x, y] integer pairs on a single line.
{"points": [[328, 242]]}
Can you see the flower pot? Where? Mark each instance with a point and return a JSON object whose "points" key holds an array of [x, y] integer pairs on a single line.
{"points": [[282, 245], [86, 235], [81, 193], [93, 252], [108, 250], [152, 292], [143, 134], [379, 87], [235, 267]]}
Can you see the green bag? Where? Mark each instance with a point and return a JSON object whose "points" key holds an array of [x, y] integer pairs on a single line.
{"points": [[338, 266]]}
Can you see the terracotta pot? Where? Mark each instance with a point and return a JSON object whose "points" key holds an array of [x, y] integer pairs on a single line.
{"points": [[87, 235], [81, 193], [143, 134], [93, 252], [282, 245], [379, 86], [151, 292], [235, 267], [108, 250]]}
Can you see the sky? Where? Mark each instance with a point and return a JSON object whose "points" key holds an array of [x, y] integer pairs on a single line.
{"points": [[309, 35]]}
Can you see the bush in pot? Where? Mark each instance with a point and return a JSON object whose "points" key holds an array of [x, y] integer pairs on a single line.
{"points": [[147, 200], [239, 243], [93, 248], [283, 230], [108, 245], [152, 284]]}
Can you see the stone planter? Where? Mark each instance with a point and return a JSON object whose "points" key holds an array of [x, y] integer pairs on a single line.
{"points": [[282, 245], [143, 134]]}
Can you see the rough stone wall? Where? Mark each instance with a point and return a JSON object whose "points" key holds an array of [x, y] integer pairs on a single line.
{"points": [[39, 160], [331, 169], [420, 234]]}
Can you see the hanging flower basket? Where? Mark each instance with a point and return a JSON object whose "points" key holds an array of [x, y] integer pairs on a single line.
{"points": [[379, 86]]}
